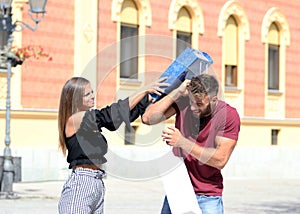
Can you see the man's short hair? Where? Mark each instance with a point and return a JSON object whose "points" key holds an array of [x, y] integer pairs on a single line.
{"points": [[203, 85]]}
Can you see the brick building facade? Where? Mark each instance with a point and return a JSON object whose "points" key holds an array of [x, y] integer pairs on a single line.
{"points": [[84, 38]]}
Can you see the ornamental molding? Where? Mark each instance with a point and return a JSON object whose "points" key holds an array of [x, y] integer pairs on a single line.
{"points": [[233, 8], [275, 15], [144, 9], [19, 3], [194, 9], [88, 32]]}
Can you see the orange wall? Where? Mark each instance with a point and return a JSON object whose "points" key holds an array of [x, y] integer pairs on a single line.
{"points": [[42, 81], [106, 73]]}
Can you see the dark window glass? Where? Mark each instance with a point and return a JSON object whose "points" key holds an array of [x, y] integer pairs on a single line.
{"points": [[273, 67], [183, 41], [130, 135], [274, 136], [129, 52], [231, 75]]}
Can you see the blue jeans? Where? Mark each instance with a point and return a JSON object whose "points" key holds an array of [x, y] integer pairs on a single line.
{"points": [[207, 204]]}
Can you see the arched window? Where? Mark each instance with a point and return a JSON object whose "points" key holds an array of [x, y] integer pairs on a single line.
{"points": [[230, 40], [187, 22], [184, 30], [275, 37], [273, 57], [129, 40], [234, 29]]}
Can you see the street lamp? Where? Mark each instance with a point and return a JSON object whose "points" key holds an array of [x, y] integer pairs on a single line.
{"points": [[36, 12]]}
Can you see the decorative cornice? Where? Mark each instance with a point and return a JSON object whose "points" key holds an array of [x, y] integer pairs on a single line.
{"points": [[274, 15], [26, 114], [235, 9], [270, 122], [144, 8], [195, 10]]}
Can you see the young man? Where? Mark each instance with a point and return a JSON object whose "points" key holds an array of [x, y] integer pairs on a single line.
{"points": [[205, 134]]}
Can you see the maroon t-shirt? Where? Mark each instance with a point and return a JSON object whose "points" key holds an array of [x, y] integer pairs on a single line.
{"points": [[224, 122]]}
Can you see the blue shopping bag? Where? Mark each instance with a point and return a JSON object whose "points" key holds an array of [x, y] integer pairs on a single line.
{"points": [[188, 64]]}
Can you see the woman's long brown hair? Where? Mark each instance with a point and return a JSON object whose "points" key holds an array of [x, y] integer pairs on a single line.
{"points": [[70, 102]]}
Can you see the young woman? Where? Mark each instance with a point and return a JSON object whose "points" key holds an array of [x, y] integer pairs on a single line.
{"points": [[81, 138]]}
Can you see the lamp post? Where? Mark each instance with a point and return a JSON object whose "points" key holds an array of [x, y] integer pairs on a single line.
{"points": [[36, 12]]}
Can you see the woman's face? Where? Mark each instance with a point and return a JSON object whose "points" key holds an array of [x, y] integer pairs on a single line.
{"points": [[88, 98]]}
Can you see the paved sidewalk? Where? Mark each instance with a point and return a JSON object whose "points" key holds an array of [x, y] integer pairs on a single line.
{"points": [[241, 196]]}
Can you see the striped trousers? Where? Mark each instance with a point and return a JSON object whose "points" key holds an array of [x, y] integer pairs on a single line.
{"points": [[83, 192]]}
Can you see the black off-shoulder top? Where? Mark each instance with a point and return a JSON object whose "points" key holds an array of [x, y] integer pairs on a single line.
{"points": [[88, 145]]}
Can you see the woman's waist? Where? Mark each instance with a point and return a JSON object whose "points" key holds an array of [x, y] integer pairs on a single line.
{"points": [[88, 166], [87, 163], [93, 171]]}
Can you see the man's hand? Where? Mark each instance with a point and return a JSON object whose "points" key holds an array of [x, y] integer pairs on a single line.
{"points": [[182, 89], [172, 136]]}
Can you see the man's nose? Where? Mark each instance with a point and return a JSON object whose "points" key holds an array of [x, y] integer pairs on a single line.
{"points": [[193, 108]]}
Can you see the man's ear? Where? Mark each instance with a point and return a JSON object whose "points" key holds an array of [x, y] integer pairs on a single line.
{"points": [[214, 99]]}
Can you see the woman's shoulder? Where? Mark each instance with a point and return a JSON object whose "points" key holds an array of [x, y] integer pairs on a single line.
{"points": [[77, 118], [74, 122]]}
